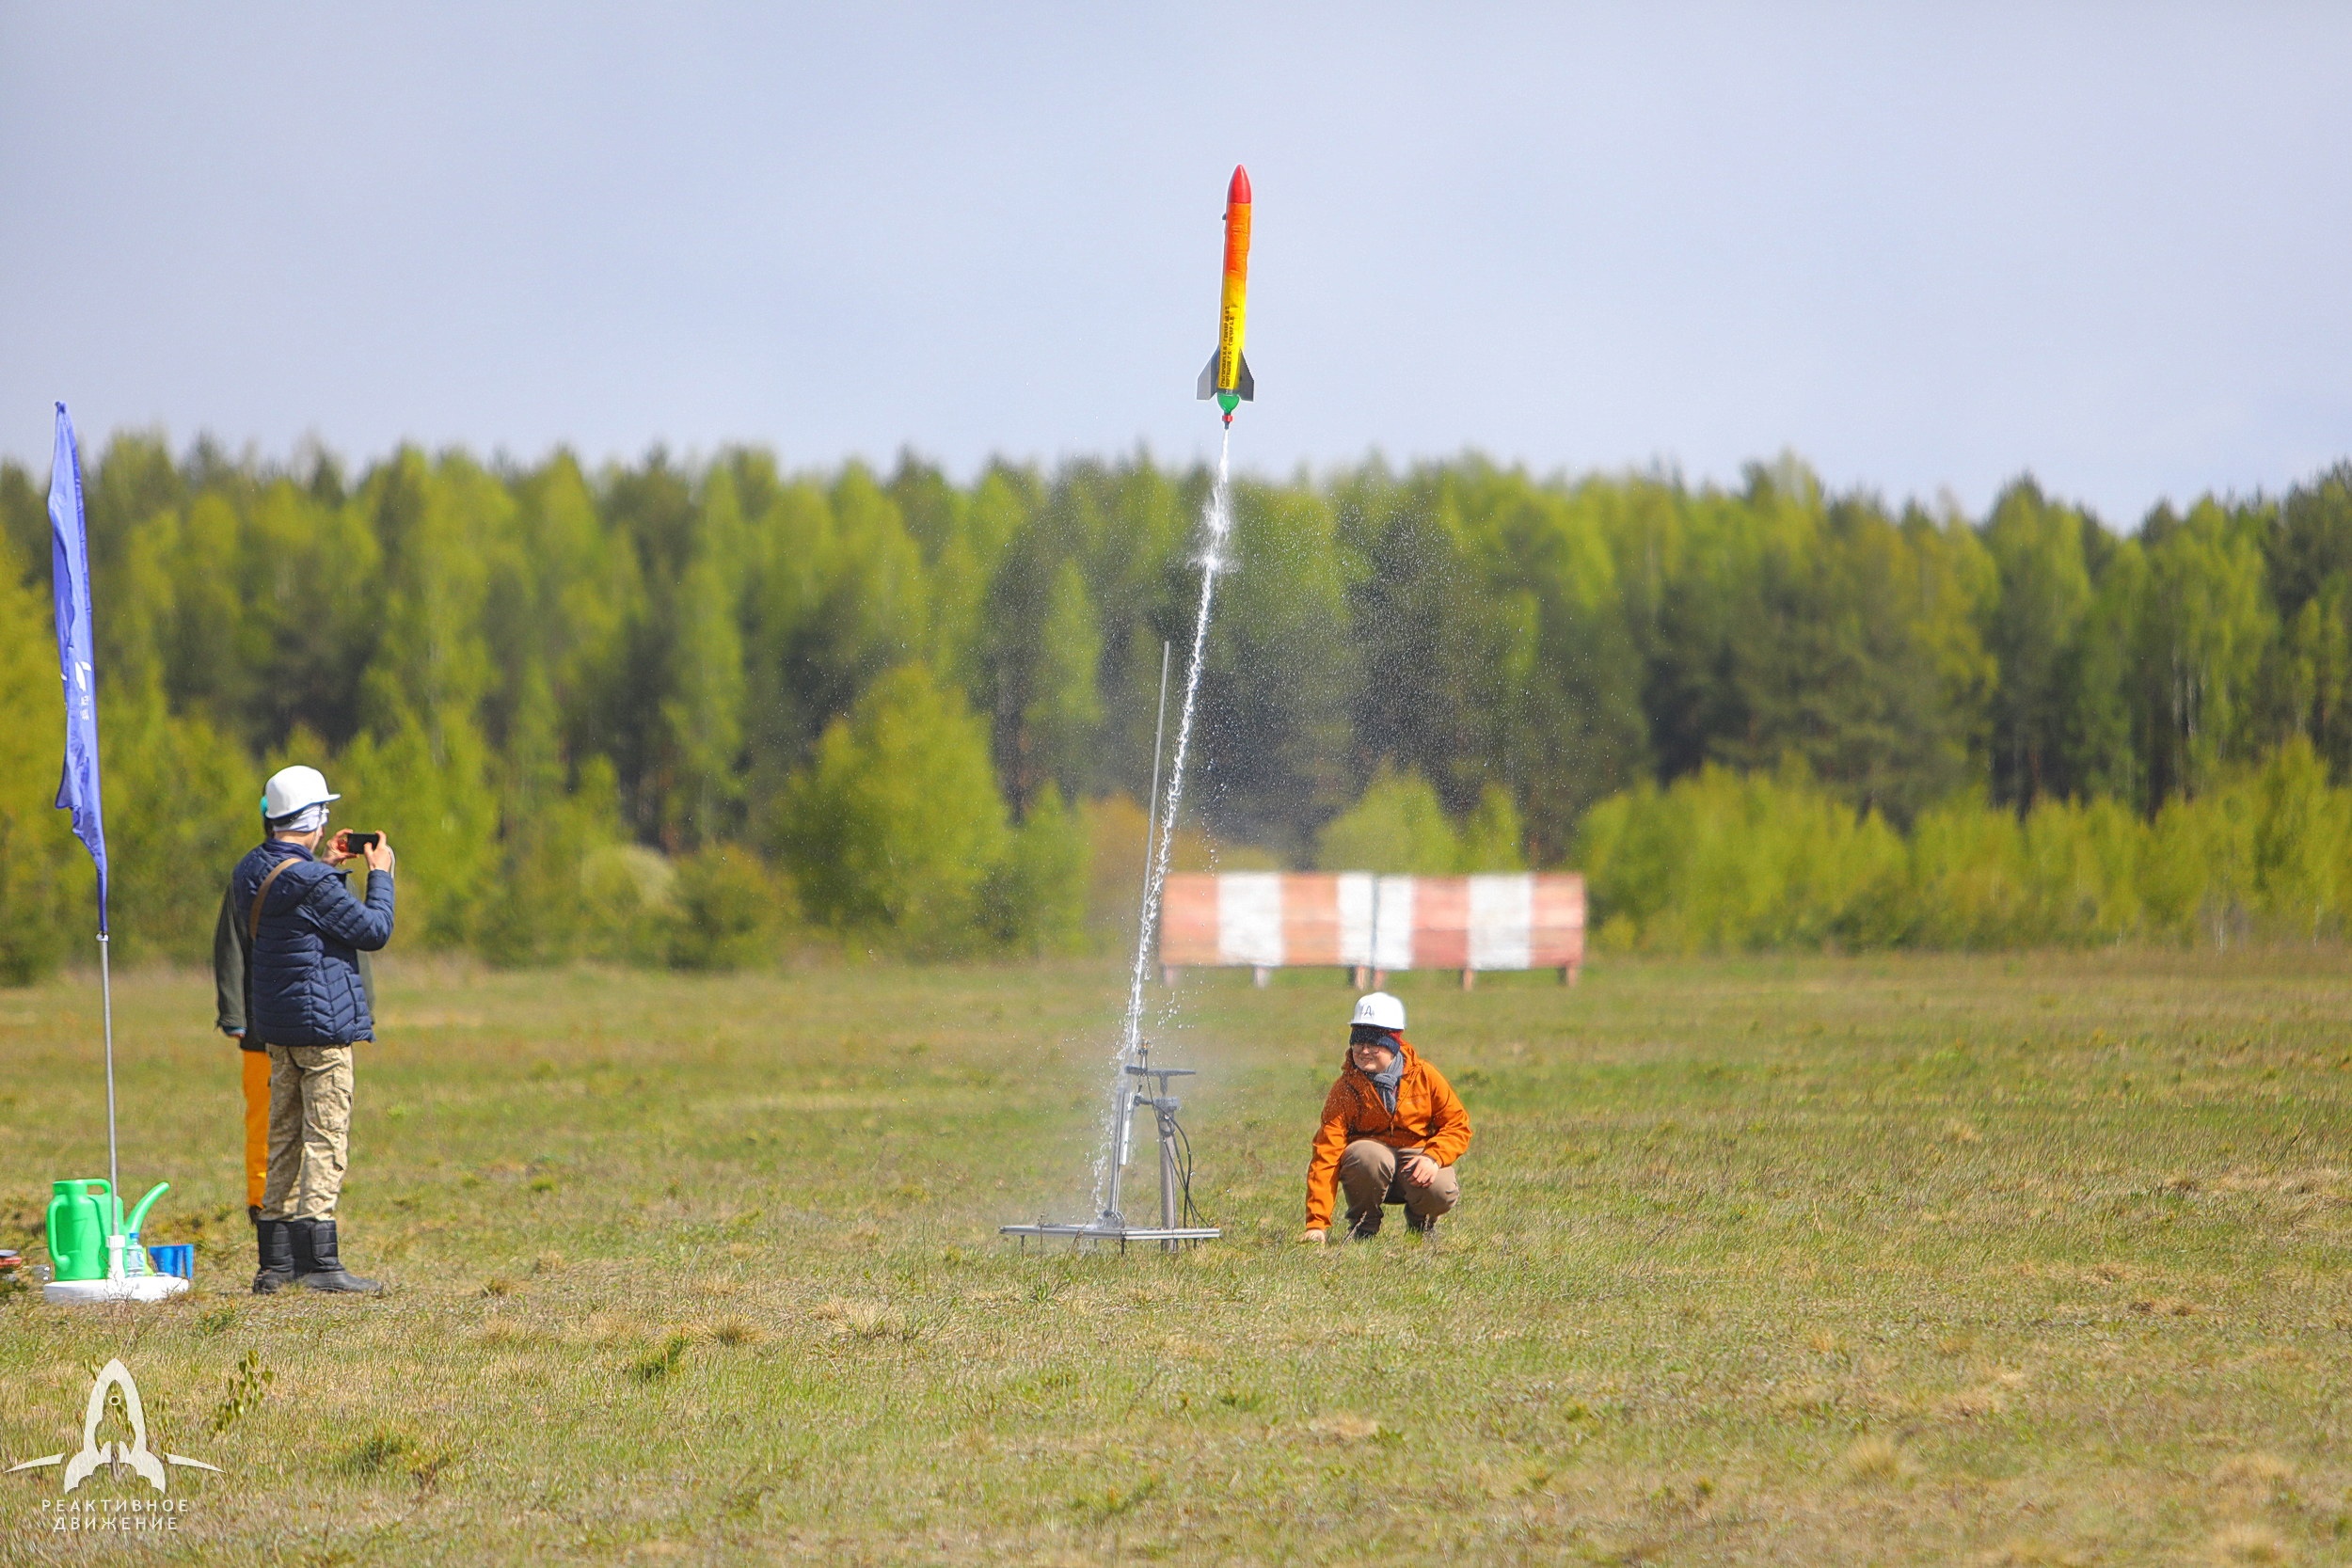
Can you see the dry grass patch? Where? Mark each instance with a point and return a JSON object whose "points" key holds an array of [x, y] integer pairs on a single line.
{"points": [[2259, 1474], [1806, 1399], [737, 1331], [863, 1320], [2250, 1542], [603, 1331], [1968, 1404], [2027, 1552], [1871, 1460]]}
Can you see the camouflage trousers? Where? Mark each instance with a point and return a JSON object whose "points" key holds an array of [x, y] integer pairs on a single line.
{"points": [[309, 1131]]}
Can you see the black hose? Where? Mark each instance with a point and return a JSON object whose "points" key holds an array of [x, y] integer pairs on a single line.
{"points": [[1191, 1210]]}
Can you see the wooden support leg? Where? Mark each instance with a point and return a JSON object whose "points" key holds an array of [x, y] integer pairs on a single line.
{"points": [[1470, 978], [1355, 975], [1568, 974], [1260, 975], [1168, 975], [1379, 979]]}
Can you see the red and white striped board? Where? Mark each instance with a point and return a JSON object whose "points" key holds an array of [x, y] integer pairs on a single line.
{"points": [[1358, 921]]}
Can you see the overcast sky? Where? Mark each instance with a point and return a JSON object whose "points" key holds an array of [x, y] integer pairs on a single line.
{"points": [[1925, 247]]}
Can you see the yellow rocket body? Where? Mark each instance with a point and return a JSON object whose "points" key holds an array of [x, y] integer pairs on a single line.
{"points": [[1227, 377]]}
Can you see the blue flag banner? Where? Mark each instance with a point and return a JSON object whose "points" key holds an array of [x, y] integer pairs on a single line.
{"points": [[68, 550]]}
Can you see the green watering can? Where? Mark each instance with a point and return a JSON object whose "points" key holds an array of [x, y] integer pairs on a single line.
{"points": [[85, 1227]]}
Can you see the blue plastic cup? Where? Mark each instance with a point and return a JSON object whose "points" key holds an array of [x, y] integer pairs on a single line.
{"points": [[175, 1258]]}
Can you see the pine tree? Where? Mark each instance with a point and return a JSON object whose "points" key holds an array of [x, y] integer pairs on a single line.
{"points": [[701, 710], [2031, 626], [2102, 724], [1065, 705], [2308, 551], [421, 770]]}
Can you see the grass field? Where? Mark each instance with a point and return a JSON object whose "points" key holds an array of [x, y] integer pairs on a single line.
{"points": [[1817, 1260]]}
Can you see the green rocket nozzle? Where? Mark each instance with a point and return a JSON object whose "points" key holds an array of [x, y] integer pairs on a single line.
{"points": [[1229, 402]]}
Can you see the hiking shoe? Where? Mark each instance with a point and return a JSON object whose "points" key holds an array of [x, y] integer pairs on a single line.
{"points": [[1363, 1227], [1418, 1225]]}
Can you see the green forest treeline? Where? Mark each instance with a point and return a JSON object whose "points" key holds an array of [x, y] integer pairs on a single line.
{"points": [[681, 714]]}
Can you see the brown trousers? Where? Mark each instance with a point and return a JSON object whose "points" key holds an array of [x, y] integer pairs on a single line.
{"points": [[1368, 1174], [309, 1131]]}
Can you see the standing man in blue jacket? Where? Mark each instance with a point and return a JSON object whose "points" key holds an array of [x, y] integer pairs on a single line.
{"points": [[310, 1006]]}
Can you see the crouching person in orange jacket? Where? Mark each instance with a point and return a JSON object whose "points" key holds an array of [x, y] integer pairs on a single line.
{"points": [[1392, 1128]]}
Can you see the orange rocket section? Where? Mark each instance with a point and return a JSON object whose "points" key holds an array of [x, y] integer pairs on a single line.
{"points": [[1227, 376]]}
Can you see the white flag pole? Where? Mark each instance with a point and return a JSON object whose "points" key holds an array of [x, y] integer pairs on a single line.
{"points": [[106, 995]]}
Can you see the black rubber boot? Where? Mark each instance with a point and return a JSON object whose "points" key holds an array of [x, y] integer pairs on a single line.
{"points": [[1418, 1225], [1364, 1225], [318, 1266], [272, 1241]]}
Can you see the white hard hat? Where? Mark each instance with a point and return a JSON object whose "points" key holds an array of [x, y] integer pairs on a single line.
{"points": [[293, 789], [1379, 1011]]}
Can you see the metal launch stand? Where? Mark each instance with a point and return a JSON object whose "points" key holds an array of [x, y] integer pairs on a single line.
{"points": [[1175, 1176]]}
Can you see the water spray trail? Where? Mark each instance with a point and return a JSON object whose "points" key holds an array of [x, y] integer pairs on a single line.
{"points": [[1221, 525]]}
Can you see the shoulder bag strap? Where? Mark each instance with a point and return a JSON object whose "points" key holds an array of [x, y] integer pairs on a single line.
{"points": [[253, 918]]}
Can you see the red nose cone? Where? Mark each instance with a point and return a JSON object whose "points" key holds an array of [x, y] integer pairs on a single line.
{"points": [[1238, 192]]}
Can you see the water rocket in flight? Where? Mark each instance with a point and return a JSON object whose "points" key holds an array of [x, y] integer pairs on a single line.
{"points": [[1227, 376]]}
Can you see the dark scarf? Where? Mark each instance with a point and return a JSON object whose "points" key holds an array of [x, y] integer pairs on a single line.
{"points": [[1387, 1079]]}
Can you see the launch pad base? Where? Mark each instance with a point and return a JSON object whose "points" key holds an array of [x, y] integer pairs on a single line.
{"points": [[1100, 1232], [137, 1287]]}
